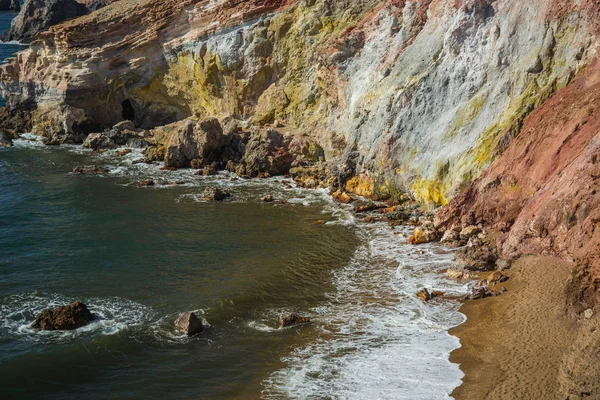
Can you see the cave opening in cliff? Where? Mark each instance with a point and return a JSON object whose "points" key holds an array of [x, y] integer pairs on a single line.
{"points": [[128, 111]]}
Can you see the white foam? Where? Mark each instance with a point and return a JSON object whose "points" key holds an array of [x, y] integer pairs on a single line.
{"points": [[377, 340], [113, 314]]}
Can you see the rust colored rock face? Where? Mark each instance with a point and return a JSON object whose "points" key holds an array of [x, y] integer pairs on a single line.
{"points": [[543, 192], [68, 317]]}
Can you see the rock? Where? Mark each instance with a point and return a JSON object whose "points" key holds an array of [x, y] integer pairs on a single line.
{"points": [[154, 153], [165, 168], [125, 126], [370, 220], [366, 206], [146, 182], [208, 170], [215, 194], [138, 143], [266, 152], [292, 319], [90, 170], [479, 292], [99, 141], [496, 277], [587, 314], [189, 324], [469, 232], [456, 274], [194, 142], [502, 265], [427, 295], [123, 152], [450, 237], [477, 258], [10, 5], [5, 141], [268, 198], [38, 15], [423, 235], [342, 197], [67, 317], [319, 222]]}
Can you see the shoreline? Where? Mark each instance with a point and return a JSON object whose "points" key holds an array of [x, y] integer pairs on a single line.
{"points": [[512, 346]]}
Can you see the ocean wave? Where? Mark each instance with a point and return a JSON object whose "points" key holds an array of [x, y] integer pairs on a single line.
{"points": [[377, 340]]}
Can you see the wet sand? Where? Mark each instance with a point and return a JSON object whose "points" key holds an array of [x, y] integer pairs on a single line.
{"points": [[513, 345]]}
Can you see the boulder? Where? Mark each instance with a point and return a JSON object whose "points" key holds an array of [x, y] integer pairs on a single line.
{"points": [[90, 170], [137, 143], [477, 258], [268, 198], [469, 231], [423, 234], [450, 237], [146, 182], [496, 277], [215, 194], [99, 141], [291, 320], [502, 265], [38, 15], [189, 324], [124, 126], [457, 274], [57, 139], [10, 5], [124, 152], [266, 152], [342, 197], [199, 143], [67, 317], [424, 294]]}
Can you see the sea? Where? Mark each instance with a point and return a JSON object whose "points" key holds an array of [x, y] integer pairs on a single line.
{"points": [[140, 256]]}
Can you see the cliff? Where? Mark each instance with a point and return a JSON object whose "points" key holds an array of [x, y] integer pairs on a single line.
{"points": [[428, 92]]}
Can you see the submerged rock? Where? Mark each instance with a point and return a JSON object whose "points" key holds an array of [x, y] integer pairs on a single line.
{"points": [[215, 194], [292, 319], [90, 170], [189, 324], [68, 317]]}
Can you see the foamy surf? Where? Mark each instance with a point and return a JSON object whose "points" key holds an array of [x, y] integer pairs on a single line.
{"points": [[113, 314], [377, 340]]}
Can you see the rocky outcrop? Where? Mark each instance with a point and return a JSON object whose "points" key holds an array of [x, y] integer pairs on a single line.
{"points": [[194, 144], [38, 15], [189, 324], [449, 83], [68, 317], [215, 194], [10, 5]]}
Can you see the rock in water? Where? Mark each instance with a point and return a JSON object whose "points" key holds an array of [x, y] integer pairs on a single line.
{"points": [[292, 319], [189, 323], [90, 170], [99, 141], [63, 318], [214, 194], [10, 5], [5, 141], [38, 15]]}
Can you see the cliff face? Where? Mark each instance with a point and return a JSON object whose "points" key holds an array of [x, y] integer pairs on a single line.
{"points": [[429, 92]]}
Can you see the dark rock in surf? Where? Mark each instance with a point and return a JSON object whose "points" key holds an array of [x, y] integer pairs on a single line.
{"points": [[292, 319], [5, 141], [90, 170], [215, 194], [189, 324], [99, 141], [63, 318]]}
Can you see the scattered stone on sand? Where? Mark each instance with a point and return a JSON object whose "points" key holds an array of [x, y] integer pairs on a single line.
{"points": [[292, 319], [502, 265], [62, 318], [90, 170], [147, 182], [215, 194], [589, 313], [496, 277], [481, 292], [268, 198], [189, 324]]}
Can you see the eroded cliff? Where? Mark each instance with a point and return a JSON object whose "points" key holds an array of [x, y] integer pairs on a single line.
{"points": [[428, 92]]}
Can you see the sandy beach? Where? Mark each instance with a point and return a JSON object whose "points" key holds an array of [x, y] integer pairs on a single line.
{"points": [[513, 345]]}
